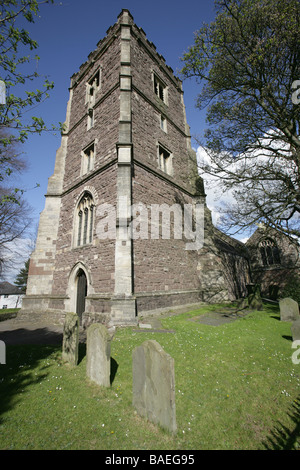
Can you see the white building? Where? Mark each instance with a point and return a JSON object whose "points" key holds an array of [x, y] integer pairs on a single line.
{"points": [[10, 296]]}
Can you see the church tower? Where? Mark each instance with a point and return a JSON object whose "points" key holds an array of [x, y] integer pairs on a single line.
{"points": [[125, 144]]}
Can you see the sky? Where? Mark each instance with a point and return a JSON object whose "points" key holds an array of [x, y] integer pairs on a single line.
{"points": [[66, 33]]}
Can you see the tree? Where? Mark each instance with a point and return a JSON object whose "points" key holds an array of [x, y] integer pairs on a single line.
{"points": [[12, 161], [14, 74], [14, 211], [21, 279], [248, 63], [14, 224], [16, 98]]}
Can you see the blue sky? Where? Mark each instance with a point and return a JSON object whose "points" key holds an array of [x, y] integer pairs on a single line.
{"points": [[68, 31]]}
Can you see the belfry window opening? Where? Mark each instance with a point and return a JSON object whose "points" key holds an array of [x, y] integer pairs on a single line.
{"points": [[160, 89]]}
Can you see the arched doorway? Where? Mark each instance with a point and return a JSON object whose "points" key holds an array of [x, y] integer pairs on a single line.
{"points": [[81, 293]]}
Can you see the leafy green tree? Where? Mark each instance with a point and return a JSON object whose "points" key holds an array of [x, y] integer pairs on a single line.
{"points": [[247, 63], [15, 77], [21, 279]]}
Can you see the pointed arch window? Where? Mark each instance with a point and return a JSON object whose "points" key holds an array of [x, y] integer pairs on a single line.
{"points": [[85, 220], [269, 252]]}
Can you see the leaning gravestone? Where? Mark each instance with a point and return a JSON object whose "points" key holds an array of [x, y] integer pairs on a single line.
{"points": [[296, 330], [254, 298], [154, 384], [98, 354], [70, 339], [289, 309]]}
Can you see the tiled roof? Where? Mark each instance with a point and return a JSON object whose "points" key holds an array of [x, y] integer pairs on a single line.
{"points": [[9, 289]]}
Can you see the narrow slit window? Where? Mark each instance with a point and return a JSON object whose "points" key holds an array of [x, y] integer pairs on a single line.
{"points": [[92, 87], [91, 224], [91, 95], [79, 228], [90, 118], [163, 123], [85, 228], [165, 160], [88, 155]]}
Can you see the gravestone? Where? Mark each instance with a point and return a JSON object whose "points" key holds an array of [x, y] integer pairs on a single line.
{"points": [[70, 338], [254, 297], [289, 309], [154, 384], [296, 330], [2, 352], [98, 354]]}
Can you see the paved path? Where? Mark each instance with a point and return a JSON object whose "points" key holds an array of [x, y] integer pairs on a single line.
{"points": [[14, 332]]}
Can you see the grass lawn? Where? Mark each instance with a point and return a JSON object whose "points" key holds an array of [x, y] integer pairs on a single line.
{"points": [[6, 313], [8, 310], [236, 388]]}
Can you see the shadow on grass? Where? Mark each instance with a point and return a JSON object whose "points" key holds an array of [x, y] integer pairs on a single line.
{"points": [[281, 437], [275, 317], [287, 337], [20, 372], [113, 369]]}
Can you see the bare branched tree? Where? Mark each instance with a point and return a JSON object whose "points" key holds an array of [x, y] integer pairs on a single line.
{"points": [[248, 63], [14, 224]]}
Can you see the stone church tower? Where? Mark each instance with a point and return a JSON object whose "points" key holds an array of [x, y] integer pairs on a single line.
{"points": [[125, 142]]}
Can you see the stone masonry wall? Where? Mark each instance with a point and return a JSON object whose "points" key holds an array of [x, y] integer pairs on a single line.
{"points": [[98, 257], [163, 264], [104, 132], [147, 109], [100, 181]]}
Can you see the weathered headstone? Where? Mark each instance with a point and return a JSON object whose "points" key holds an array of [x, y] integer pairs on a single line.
{"points": [[154, 384], [2, 352], [289, 309], [98, 354], [70, 338], [296, 330], [254, 298]]}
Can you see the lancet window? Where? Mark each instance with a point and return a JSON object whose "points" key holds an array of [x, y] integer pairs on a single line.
{"points": [[85, 220]]}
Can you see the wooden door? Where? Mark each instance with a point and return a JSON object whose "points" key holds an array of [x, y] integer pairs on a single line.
{"points": [[81, 293]]}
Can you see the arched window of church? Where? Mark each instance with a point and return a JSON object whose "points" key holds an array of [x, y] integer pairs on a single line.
{"points": [[85, 220], [269, 252]]}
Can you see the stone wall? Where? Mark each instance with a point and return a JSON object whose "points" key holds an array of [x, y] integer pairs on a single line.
{"points": [[147, 109], [98, 257]]}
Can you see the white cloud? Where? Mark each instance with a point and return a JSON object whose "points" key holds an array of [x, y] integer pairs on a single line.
{"points": [[215, 196]]}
